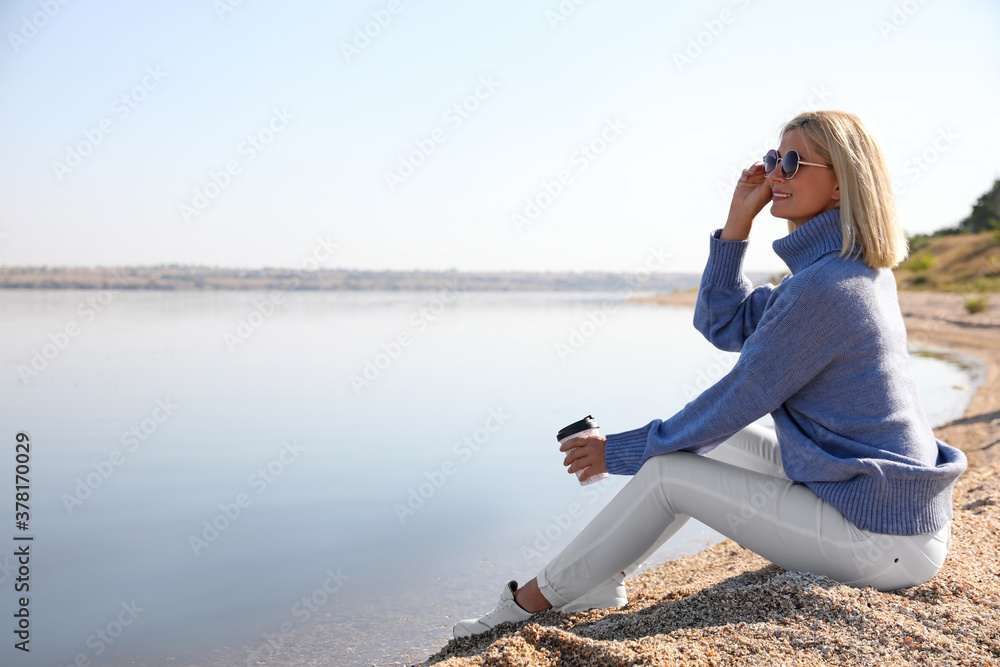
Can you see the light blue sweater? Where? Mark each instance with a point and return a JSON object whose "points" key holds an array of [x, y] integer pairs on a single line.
{"points": [[824, 352]]}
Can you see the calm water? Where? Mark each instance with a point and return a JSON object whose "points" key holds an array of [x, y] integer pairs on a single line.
{"points": [[338, 480]]}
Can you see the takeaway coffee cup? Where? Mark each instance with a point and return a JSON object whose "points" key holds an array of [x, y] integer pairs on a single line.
{"points": [[585, 427]]}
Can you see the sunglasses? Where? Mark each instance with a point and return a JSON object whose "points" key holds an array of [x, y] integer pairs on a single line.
{"points": [[789, 163]]}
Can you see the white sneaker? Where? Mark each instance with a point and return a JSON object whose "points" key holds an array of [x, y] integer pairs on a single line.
{"points": [[506, 611], [609, 594]]}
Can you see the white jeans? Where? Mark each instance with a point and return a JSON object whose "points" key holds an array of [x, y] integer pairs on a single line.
{"points": [[740, 490]]}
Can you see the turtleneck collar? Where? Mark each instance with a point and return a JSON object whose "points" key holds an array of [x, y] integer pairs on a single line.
{"points": [[819, 236]]}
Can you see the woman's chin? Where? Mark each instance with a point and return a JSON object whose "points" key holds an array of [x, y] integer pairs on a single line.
{"points": [[779, 213], [791, 217]]}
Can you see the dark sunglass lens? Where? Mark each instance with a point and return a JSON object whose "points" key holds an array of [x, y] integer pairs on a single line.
{"points": [[790, 164], [770, 161]]}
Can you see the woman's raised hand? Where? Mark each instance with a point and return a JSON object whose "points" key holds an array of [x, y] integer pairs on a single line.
{"points": [[751, 195]]}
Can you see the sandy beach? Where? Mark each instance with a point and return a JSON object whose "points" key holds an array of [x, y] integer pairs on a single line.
{"points": [[727, 606]]}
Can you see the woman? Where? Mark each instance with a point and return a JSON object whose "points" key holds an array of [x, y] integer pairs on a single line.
{"points": [[851, 483]]}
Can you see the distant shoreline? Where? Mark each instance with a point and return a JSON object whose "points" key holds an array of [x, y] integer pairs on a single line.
{"points": [[175, 277]]}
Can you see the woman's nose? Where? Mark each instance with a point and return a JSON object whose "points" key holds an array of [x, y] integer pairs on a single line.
{"points": [[776, 175]]}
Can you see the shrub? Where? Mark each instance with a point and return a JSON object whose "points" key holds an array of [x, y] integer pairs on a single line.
{"points": [[921, 261], [976, 304]]}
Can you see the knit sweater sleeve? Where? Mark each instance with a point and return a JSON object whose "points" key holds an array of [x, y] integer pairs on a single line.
{"points": [[728, 307], [794, 339]]}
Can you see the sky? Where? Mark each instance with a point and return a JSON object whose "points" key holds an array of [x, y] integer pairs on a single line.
{"points": [[559, 135]]}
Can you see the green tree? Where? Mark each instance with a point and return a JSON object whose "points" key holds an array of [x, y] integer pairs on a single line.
{"points": [[985, 214]]}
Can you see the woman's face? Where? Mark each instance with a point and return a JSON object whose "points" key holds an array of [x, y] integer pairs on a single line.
{"points": [[813, 190]]}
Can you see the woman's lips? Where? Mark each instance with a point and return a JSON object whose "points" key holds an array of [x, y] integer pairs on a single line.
{"points": [[779, 196]]}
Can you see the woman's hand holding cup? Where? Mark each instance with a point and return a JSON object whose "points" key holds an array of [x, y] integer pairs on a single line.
{"points": [[585, 452]]}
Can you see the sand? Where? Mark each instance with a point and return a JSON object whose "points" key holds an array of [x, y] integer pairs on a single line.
{"points": [[728, 606]]}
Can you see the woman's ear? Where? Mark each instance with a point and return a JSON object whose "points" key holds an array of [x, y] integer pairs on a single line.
{"points": [[836, 193]]}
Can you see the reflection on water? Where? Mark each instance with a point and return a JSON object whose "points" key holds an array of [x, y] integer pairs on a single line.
{"points": [[245, 479]]}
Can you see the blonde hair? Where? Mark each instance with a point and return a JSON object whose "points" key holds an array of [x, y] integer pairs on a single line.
{"points": [[867, 208]]}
